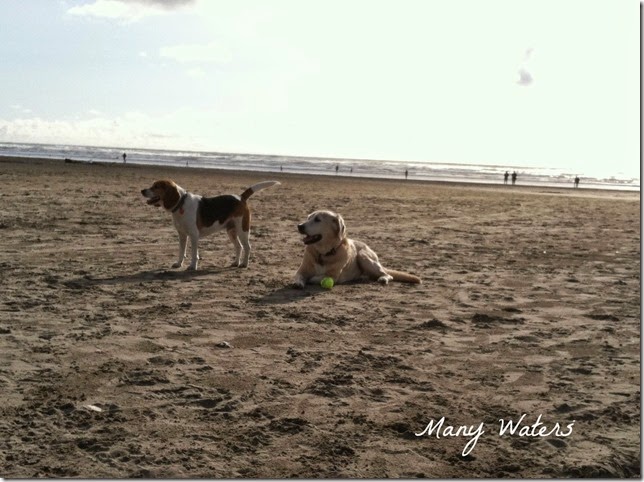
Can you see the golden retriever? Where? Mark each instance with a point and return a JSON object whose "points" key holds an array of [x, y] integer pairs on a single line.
{"points": [[329, 253]]}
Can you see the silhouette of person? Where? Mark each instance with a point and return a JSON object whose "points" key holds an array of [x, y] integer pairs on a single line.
{"points": [[505, 177], [124, 156], [576, 182], [514, 177], [406, 173], [337, 168]]}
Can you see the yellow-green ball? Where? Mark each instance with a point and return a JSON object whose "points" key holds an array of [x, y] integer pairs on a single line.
{"points": [[327, 283]]}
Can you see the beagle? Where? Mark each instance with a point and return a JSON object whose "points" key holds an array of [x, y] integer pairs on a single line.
{"points": [[196, 216], [329, 253]]}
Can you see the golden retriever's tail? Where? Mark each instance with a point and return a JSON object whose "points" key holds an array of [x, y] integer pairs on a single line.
{"points": [[257, 187], [404, 277]]}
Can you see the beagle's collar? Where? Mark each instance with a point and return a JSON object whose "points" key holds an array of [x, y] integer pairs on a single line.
{"points": [[182, 199]]}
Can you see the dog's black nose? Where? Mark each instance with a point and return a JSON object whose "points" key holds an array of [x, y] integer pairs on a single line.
{"points": [[300, 228], [143, 192]]}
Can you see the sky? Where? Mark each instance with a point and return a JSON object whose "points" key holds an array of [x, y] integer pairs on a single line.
{"points": [[545, 83]]}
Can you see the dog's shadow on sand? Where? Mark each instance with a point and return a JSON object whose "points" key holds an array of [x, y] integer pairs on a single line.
{"points": [[145, 276], [289, 293]]}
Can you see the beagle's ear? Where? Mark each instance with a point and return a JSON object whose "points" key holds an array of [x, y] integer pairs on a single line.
{"points": [[339, 226], [170, 194]]}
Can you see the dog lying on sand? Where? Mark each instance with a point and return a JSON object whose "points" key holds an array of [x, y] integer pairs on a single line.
{"points": [[329, 253], [195, 216]]}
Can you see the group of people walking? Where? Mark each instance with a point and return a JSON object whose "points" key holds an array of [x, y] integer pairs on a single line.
{"points": [[514, 179], [507, 175]]}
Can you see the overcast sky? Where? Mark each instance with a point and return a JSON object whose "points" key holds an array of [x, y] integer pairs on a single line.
{"points": [[552, 83]]}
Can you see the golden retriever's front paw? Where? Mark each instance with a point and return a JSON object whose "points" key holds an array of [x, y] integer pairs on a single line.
{"points": [[385, 279]]}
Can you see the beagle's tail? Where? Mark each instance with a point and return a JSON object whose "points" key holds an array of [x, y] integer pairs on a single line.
{"points": [[256, 187], [404, 277]]}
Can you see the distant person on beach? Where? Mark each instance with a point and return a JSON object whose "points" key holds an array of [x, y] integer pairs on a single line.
{"points": [[514, 178], [505, 177], [337, 168], [576, 182], [406, 173], [124, 156]]}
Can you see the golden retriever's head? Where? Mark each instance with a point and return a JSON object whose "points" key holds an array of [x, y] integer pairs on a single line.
{"points": [[322, 230], [162, 192]]}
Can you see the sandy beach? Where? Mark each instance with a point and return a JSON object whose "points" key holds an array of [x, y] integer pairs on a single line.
{"points": [[114, 365]]}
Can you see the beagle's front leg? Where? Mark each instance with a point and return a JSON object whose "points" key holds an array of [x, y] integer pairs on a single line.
{"points": [[182, 250], [194, 245]]}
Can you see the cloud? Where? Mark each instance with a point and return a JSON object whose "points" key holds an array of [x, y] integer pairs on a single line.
{"points": [[525, 78], [132, 129], [127, 10], [167, 4]]}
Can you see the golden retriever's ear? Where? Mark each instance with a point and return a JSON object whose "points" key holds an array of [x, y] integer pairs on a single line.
{"points": [[339, 227]]}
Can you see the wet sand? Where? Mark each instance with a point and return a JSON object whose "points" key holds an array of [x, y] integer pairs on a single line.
{"points": [[112, 364]]}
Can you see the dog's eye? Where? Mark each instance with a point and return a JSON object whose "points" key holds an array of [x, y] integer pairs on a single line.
{"points": [[317, 219]]}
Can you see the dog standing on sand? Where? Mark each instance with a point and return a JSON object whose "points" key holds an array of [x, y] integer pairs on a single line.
{"points": [[329, 253], [195, 216]]}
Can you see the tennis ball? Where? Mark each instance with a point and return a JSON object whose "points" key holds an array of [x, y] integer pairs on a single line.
{"points": [[327, 283]]}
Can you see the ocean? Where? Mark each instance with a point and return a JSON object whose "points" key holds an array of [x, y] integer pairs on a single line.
{"points": [[474, 173]]}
